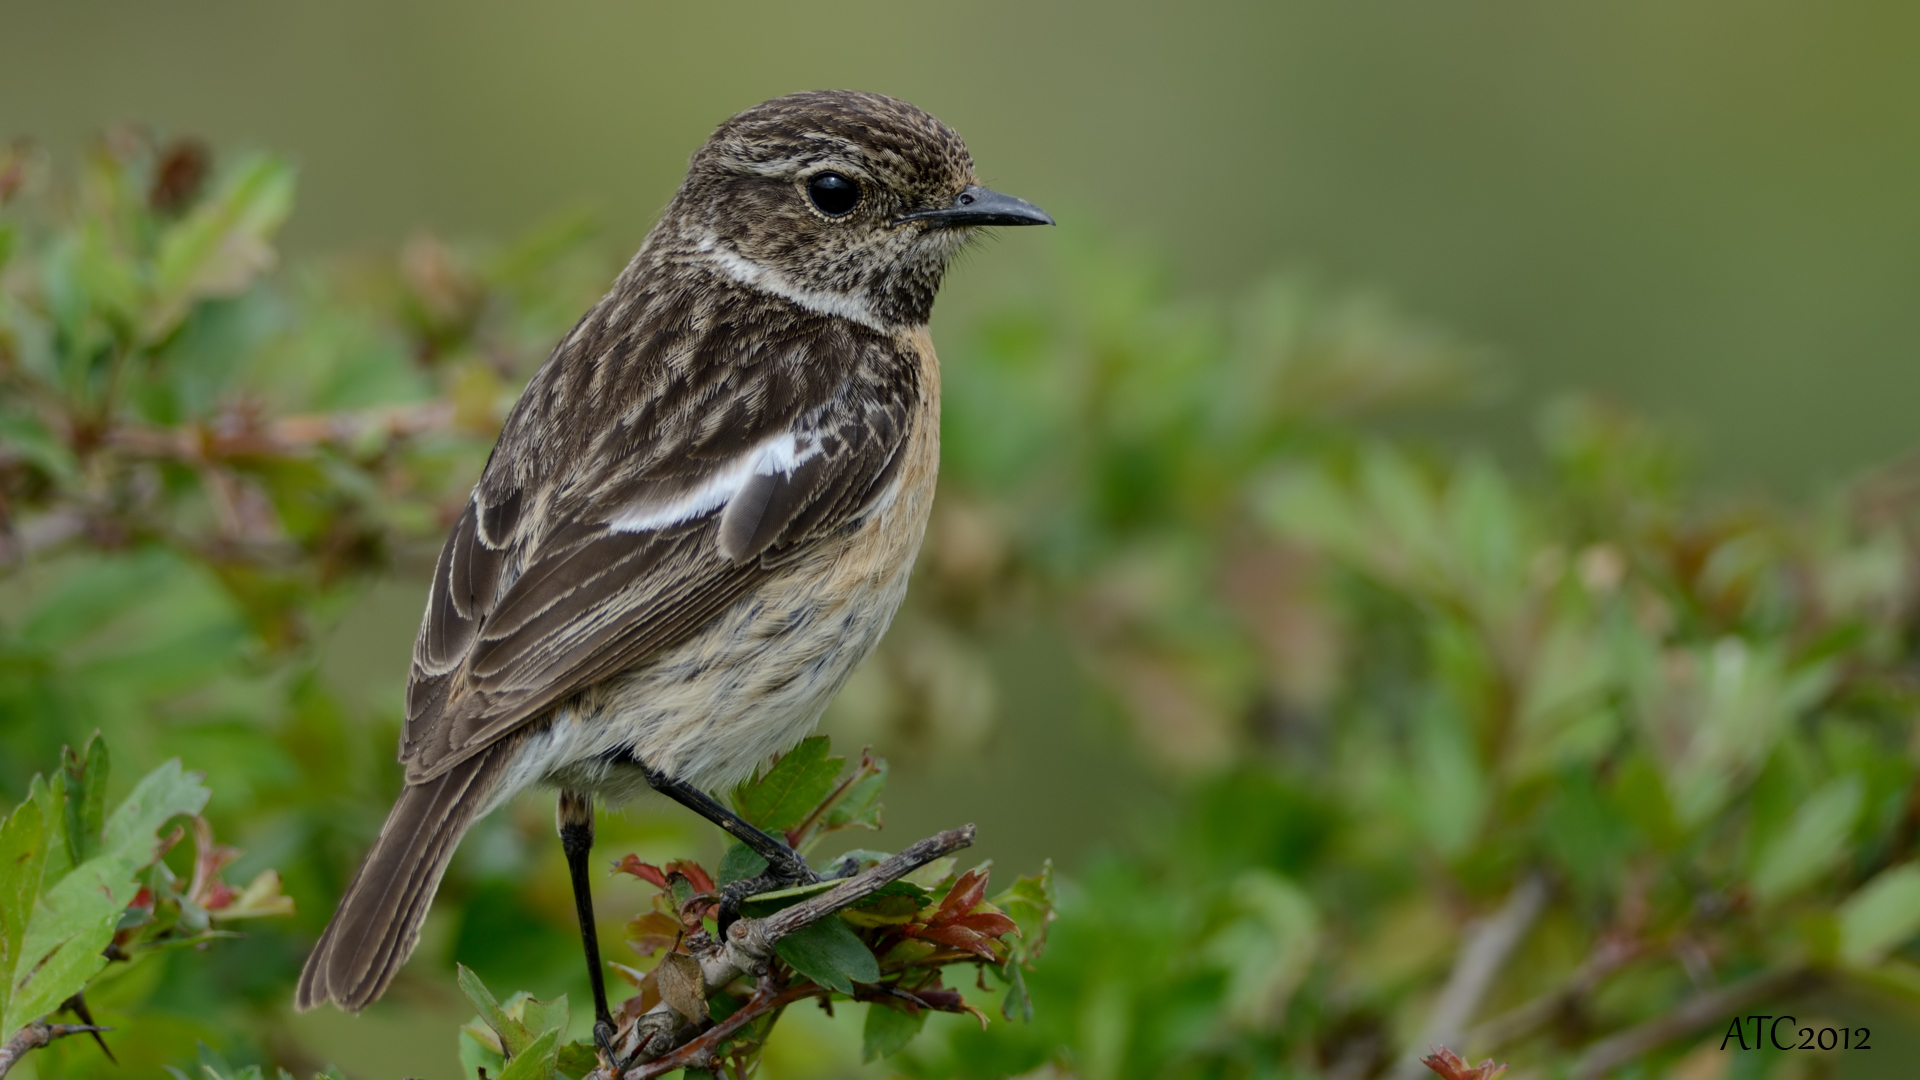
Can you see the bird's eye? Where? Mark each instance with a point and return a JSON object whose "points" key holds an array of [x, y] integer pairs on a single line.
{"points": [[835, 195]]}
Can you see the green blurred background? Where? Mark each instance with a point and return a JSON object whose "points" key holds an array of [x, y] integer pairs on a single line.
{"points": [[1706, 211], [1706, 208]]}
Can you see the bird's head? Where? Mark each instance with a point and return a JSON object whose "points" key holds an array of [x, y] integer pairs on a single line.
{"points": [[847, 202]]}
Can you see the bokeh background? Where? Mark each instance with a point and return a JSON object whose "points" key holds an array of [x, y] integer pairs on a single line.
{"points": [[1702, 212]]}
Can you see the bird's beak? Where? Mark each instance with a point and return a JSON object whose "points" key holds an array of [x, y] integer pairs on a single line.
{"points": [[980, 206]]}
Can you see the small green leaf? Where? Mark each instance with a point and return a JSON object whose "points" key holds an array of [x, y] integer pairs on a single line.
{"points": [[860, 807], [540, 1015], [1814, 841], [829, 953], [23, 852], [1029, 902], [1018, 1002], [931, 876], [576, 1059], [792, 788], [86, 777], [888, 1030], [536, 1061], [164, 794], [480, 1048], [1881, 916], [740, 863], [514, 1036]]}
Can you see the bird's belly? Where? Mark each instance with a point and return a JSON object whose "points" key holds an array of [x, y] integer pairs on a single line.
{"points": [[749, 685]]}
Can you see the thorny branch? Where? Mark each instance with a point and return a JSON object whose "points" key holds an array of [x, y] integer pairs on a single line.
{"points": [[38, 1034], [662, 1039]]}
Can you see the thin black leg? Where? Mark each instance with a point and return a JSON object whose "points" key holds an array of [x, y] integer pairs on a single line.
{"points": [[575, 820], [783, 862]]}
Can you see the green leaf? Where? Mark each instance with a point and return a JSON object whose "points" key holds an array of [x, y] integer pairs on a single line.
{"points": [[860, 807], [1018, 1002], [792, 788], [514, 1036], [164, 794], [1029, 902], [540, 1015], [888, 1030], [86, 778], [576, 1059], [740, 863], [1814, 841], [23, 852], [480, 1048], [222, 246], [536, 1062], [77, 916], [1881, 916], [829, 953]]}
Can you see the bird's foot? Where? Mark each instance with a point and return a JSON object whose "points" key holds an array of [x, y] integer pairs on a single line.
{"points": [[604, 1037], [785, 874]]}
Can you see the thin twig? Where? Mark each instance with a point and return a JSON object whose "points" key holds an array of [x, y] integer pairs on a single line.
{"points": [[1489, 942], [1698, 1012], [38, 1034], [1612, 954], [860, 886]]}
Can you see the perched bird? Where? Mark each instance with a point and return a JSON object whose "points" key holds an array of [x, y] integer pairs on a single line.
{"points": [[700, 515]]}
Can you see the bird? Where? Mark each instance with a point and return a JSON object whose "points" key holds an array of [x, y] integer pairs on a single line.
{"points": [[699, 517]]}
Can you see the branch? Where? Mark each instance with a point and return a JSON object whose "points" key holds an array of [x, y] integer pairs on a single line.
{"points": [[1610, 956], [38, 1034], [1489, 942], [1710, 1008], [662, 1034]]}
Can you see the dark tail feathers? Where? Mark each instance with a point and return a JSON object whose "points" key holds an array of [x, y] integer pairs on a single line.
{"points": [[378, 922]]}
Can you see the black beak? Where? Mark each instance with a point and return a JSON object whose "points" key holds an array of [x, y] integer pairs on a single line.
{"points": [[980, 206]]}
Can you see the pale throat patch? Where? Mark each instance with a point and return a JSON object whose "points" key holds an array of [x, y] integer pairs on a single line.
{"points": [[764, 278], [779, 455]]}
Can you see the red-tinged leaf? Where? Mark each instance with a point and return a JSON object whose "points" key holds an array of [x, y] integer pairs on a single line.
{"points": [[653, 932], [143, 899], [646, 872], [959, 937], [966, 894], [1451, 1066], [219, 895], [987, 924], [695, 874]]}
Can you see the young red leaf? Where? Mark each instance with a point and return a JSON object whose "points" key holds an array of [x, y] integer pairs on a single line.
{"points": [[958, 937], [987, 924], [695, 874], [966, 894], [646, 872], [652, 932]]}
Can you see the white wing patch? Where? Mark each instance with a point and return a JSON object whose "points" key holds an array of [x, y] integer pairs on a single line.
{"points": [[779, 455]]}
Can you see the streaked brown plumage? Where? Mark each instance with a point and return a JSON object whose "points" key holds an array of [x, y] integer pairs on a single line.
{"points": [[702, 512]]}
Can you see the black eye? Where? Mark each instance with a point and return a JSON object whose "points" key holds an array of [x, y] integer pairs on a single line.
{"points": [[835, 195]]}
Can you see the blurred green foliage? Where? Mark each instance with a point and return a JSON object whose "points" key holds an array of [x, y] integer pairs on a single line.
{"points": [[1621, 747]]}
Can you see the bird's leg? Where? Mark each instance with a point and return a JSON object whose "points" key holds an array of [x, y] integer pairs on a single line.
{"points": [[785, 867], [783, 863], [575, 820]]}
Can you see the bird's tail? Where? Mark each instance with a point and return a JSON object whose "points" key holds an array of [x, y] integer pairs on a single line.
{"points": [[378, 922]]}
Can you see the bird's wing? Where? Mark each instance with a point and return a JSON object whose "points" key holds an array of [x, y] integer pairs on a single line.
{"points": [[647, 479]]}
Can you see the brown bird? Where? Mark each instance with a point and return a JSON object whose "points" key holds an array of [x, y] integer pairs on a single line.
{"points": [[700, 515]]}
